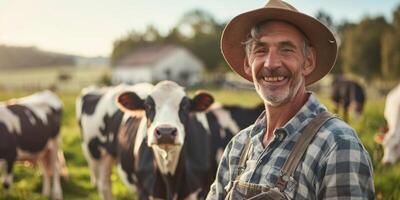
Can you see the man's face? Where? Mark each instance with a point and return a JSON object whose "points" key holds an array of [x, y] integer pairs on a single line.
{"points": [[277, 63]]}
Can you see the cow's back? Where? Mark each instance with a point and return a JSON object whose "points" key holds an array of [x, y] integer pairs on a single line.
{"points": [[33, 120]]}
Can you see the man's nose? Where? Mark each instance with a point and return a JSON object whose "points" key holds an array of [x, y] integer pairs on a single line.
{"points": [[272, 60]]}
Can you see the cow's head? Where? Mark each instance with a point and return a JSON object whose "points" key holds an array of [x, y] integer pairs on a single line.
{"points": [[391, 146], [390, 142], [167, 111]]}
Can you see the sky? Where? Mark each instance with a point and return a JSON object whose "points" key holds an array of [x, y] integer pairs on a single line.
{"points": [[89, 27]]}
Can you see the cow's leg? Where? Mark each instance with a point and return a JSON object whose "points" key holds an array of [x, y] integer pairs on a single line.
{"points": [[55, 165], [46, 170], [93, 165], [336, 108], [63, 165], [346, 113], [104, 178], [8, 177]]}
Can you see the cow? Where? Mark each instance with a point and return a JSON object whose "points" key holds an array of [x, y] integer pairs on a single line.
{"points": [[390, 140], [168, 135], [347, 94], [100, 119], [112, 135], [30, 130]]}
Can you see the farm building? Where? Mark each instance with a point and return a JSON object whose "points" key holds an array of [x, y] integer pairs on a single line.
{"points": [[156, 63]]}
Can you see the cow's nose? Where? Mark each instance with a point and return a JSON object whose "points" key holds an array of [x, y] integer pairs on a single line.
{"points": [[165, 134], [386, 163]]}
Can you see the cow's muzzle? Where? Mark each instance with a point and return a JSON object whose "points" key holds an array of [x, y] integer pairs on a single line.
{"points": [[165, 134]]}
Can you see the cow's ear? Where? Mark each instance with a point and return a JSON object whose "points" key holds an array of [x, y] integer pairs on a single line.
{"points": [[201, 102], [130, 101]]}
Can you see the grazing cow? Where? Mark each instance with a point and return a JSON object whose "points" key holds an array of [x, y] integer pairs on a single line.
{"points": [[391, 138], [347, 94], [29, 130], [100, 119], [163, 145]]}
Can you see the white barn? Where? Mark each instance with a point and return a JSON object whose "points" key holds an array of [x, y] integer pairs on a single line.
{"points": [[156, 63]]}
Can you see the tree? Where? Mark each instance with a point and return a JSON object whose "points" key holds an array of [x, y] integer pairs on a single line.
{"points": [[201, 34], [130, 41], [341, 29], [391, 49], [196, 30], [362, 51]]}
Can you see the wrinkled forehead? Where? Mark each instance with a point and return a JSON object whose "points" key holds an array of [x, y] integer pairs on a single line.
{"points": [[279, 28], [167, 93]]}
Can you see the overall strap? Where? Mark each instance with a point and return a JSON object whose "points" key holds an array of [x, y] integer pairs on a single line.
{"points": [[300, 148], [246, 149]]}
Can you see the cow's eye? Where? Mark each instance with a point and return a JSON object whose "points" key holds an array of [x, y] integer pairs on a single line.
{"points": [[149, 107]]}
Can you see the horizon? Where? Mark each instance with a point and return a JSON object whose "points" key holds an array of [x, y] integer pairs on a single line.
{"points": [[89, 28]]}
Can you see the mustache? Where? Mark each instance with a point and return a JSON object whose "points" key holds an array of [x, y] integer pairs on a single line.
{"points": [[280, 71]]}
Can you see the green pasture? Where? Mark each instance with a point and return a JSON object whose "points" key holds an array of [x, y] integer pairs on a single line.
{"points": [[27, 181]]}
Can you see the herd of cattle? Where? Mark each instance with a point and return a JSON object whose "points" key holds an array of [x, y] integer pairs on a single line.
{"points": [[166, 144]]}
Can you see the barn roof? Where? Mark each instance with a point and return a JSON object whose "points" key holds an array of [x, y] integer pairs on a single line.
{"points": [[147, 55]]}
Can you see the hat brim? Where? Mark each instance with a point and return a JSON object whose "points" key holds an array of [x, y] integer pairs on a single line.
{"points": [[320, 37]]}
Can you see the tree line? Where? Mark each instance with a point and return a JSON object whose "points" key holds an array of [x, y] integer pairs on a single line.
{"points": [[12, 57], [369, 49]]}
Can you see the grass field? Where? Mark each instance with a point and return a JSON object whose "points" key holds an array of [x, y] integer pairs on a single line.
{"points": [[27, 181]]}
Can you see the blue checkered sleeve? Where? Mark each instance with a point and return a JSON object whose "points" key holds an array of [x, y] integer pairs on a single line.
{"points": [[346, 172]]}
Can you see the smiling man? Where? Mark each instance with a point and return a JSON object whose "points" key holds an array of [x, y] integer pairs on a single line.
{"points": [[296, 149]]}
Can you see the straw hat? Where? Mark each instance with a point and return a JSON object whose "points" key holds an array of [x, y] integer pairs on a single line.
{"points": [[320, 37]]}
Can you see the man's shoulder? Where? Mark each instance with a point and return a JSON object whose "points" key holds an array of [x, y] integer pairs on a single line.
{"points": [[243, 135], [238, 141], [337, 132]]}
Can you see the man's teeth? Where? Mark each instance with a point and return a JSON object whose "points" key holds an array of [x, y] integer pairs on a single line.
{"points": [[274, 78]]}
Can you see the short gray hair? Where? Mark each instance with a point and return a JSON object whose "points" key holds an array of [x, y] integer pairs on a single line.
{"points": [[254, 36]]}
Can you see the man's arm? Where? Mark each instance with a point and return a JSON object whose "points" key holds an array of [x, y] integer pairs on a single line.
{"points": [[347, 173]]}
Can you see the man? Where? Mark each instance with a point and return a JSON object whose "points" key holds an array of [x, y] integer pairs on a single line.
{"points": [[296, 149]]}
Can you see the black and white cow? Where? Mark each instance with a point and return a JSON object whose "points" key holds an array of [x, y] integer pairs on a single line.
{"points": [[169, 137], [153, 118], [29, 130], [100, 120]]}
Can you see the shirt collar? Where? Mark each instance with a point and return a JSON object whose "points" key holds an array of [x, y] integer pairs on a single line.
{"points": [[307, 112]]}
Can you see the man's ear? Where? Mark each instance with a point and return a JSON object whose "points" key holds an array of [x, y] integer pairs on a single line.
{"points": [[246, 66], [310, 62], [129, 101]]}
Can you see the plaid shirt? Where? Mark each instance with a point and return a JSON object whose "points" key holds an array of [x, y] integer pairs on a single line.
{"points": [[335, 165]]}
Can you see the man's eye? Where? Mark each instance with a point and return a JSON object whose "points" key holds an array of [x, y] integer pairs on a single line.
{"points": [[259, 51], [287, 50]]}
